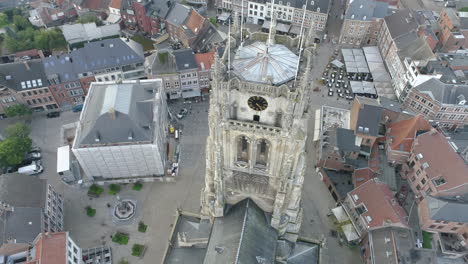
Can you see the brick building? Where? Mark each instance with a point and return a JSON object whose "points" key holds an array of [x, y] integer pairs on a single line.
{"points": [[434, 168], [402, 44], [452, 31], [372, 205], [25, 83], [441, 103], [185, 24], [362, 23], [400, 136], [145, 15], [447, 219]]}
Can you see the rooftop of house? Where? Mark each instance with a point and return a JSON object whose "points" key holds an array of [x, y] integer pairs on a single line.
{"points": [[195, 22], [453, 59], [209, 38], [441, 209], [368, 121], [443, 165], [342, 180], [452, 15], [93, 5], [185, 60], [94, 56], [76, 33], [362, 175], [205, 60], [403, 21], [387, 241], [158, 8], [366, 10], [51, 248], [459, 139], [22, 224], [118, 113], [401, 134], [345, 140], [22, 76], [320, 6], [411, 45], [178, 14], [162, 62], [380, 206], [445, 93], [32, 189], [117, 4]]}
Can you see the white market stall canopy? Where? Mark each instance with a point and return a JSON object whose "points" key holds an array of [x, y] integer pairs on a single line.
{"points": [[355, 61]]}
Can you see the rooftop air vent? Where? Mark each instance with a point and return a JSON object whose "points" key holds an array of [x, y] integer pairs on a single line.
{"points": [[419, 156], [425, 165], [8, 77]]}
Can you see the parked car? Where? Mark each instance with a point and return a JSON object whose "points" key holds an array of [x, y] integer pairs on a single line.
{"points": [[349, 97], [31, 169], [53, 114], [182, 113], [77, 108], [33, 156]]}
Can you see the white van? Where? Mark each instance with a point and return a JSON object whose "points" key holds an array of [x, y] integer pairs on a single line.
{"points": [[31, 169]]}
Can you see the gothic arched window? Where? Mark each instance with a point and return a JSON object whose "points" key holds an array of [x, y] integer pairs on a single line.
{"points": [[243, 147], [263, 148]]}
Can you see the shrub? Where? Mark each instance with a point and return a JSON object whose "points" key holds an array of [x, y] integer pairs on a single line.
{"points": [[95, 190], [17, 110], [120, 238], [123, 261], [90, 211], [142, 227], [114, 189], [137, 186], [137, 249]]}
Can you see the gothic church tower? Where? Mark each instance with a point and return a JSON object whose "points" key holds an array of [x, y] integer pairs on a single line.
{"points": [[257, 131]]}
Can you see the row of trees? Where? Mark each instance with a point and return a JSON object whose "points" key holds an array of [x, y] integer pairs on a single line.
{"points": [[16, 145], [24, 36]]}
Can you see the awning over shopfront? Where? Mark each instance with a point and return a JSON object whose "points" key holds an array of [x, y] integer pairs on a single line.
{"points": [[189, 94], [337, 63], [224, 16], [350, 233], [340, 214]]}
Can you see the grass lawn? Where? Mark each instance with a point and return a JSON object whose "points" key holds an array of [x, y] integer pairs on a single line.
{"points": [[427, 240], [145, 42]]}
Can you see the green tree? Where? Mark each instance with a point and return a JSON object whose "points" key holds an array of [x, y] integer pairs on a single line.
{"points": [[17, 110], [18, 130], [15, 146], [11, 13], [21, 22], [3, 19]]}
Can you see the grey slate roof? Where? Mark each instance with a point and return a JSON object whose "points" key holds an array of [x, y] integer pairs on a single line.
{"points": [[178, 14], [21, 190], [402, 21], [12, 75], [444, 93], [369, 117], [321, 6], [345, 140], [244, 234], [205, 41], [365, 10], [185, 60], [94, 56], [133, 107], [447, 210], [158, 8], [23, 224], [162, 67]]}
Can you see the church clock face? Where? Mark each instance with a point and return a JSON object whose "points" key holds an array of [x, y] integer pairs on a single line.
{"points": [[257, 103]]}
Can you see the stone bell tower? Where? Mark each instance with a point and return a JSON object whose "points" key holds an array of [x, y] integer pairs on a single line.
{"points": [[257, 131]]}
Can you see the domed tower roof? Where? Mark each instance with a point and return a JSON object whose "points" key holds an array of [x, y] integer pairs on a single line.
{"points": [[261, 63]]}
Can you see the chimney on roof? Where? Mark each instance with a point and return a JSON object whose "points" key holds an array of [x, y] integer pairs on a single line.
{"points": [[432, 131], [26, 65], [112, 113]]}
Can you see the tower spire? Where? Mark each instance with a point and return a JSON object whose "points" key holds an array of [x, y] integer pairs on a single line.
{"points": [[272, 33]]}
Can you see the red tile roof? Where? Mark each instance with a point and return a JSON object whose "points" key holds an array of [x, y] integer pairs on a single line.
{"points": [[205, 60], [116, 4], [382, 207], [51, 248], [402, 133], [195, 22], [360, 176], [442, 161]]}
